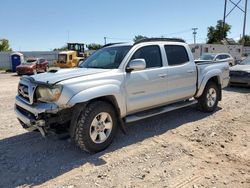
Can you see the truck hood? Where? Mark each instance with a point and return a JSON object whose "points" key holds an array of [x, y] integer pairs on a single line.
{"points": [[245, 68], [56, 76], [26, 66]]}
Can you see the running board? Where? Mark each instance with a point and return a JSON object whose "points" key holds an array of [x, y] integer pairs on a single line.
{"points": [[157, 111]]}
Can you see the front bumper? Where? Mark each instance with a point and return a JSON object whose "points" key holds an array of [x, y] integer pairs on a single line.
{"points": [[25, 71], [37, 116]]}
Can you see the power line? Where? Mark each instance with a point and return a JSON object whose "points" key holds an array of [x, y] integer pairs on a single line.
{"points": [[180, 32]]}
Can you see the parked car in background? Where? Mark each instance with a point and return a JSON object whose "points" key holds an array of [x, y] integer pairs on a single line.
{"points": [[218, 57], [33, 66], [240, 74]]}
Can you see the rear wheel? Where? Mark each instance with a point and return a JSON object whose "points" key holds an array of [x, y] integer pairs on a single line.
{"points": [[96, 127], [208, 101]]}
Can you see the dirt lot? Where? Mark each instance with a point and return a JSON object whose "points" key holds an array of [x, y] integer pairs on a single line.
{"points": [[184, 148]]}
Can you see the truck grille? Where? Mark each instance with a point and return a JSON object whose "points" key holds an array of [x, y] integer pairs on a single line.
{"points": [[23, 91]]}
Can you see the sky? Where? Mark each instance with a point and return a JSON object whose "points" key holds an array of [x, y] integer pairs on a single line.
{"points": [[39, 25]]}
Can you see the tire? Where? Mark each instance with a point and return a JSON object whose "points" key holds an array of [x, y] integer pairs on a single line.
{"points": [[208, 101], [95, 127], [46, 69]]}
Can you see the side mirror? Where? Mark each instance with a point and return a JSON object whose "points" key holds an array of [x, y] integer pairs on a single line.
{"points": [[136, 64]]}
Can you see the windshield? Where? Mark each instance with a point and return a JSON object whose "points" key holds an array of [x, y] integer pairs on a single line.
{"points": [[245, 61], [30, 61], [106, 58], [207, 57], [62, 57]]}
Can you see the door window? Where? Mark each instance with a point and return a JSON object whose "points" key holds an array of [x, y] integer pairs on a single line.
{"points": [[176, 55], [151, 55], [220, 57], [41, 61]]}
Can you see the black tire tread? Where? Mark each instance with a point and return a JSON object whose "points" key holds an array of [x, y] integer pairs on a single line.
{"points": [[202, 103], [81, 131]]}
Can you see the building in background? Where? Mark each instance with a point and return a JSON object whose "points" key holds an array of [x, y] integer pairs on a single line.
{"points": [[236, 51]]}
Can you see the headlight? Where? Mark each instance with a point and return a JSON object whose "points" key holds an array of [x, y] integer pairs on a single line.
{"points": [[46, 94]]}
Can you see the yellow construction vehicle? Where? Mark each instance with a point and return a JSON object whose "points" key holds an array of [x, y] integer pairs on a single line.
{"points": [[71, 57]]}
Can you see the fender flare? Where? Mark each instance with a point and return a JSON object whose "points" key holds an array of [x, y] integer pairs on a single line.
{"points": [[98, 92], [215, 73]]}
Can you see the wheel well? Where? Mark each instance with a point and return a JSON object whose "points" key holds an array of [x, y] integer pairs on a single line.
{"points": [[216, 80], [111, 100]]}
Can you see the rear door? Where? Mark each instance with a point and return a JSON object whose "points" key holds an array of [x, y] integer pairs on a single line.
{"points": [[182, 73], [147, 88]]}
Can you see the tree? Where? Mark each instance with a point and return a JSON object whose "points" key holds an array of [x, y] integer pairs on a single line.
{"points": [[63, 48], [247, 40], [4, 45], [216, 34], [94, 46], [139, 37]]}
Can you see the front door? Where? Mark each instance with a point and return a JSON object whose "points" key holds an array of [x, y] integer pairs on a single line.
{"points": [[146, 88]]}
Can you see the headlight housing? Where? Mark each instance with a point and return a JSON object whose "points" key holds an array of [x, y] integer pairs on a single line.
{"points": [[48, 94]]}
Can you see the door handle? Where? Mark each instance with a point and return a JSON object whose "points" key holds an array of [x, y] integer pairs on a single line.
{"points": [[162, 75], [190, 71]]}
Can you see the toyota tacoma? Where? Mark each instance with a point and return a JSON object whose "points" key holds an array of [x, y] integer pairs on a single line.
{"points": [[119, 83]]}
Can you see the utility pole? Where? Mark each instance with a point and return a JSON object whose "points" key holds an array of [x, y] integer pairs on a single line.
{"points": [[105, 40], [235, 5], [194, 33], [244, 24], [224, 20]]}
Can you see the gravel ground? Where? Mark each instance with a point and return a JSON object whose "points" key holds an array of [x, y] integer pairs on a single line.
{"points": [[183, 148]]}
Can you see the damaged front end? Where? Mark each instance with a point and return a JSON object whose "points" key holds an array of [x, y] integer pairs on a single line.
{"points": [[37, 115]]}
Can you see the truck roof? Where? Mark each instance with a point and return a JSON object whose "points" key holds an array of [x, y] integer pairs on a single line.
{"points": [[147, 40]]}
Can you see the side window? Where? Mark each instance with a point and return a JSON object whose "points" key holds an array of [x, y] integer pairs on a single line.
{"points": [[41, 60], [151, 54], [220, 57], [70, 57], [176, 55]]}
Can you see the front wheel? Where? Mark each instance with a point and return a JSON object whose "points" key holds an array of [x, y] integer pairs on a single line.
{"points": [[96, 127], [208, 101], [46, 69]]}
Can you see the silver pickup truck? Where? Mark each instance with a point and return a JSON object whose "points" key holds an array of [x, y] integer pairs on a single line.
{"points": [[119, 83]]}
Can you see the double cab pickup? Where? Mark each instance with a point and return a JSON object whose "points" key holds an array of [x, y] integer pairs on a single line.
{"points": [[117, 84]]}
